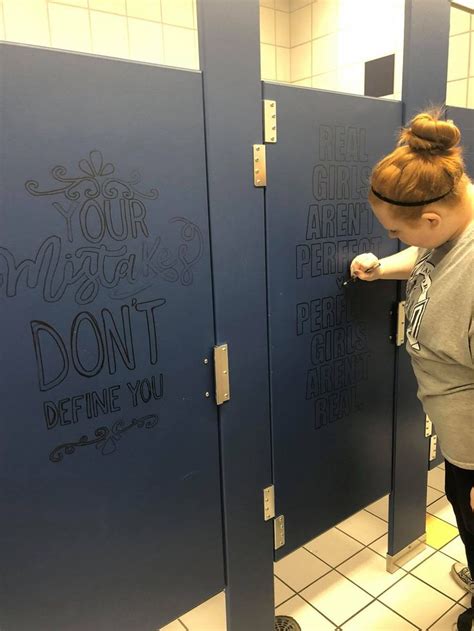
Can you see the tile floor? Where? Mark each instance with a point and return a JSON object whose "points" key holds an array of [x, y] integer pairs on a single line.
{"points": [[338, 581]]}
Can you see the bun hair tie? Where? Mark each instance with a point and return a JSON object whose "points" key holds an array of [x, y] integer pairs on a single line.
{"points": [[422, 202]]}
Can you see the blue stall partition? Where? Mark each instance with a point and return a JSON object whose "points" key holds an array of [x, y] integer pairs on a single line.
{"points": [[331, 352], [110, 496]]}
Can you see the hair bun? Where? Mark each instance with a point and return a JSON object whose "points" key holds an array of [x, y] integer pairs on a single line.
{"points": [[427, 132]]}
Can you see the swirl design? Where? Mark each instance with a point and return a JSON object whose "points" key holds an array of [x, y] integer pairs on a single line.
{"points": [[89, 185], [105, 439]]}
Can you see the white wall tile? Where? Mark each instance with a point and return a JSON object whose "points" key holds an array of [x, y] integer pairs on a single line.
{"points": [[283, 70], [178, 12], [70, 28], [470, 94], [456, 93], [471, 63], [300, 26], [144, 9], [268, 62], [301, 62], [325, 17], [180, 47], [2, 28], [110, 6], [352, 78], [26, 21], [325, 54], [307, 83], [267, 26], [458, 57], [326, 81], [109, 34], [459, 21], [282, 28], [297, 4], [75, 3], [282, 5], [146, 41]]}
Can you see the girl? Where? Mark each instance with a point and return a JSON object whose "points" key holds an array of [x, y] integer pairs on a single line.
{"points": [[422, 195]]}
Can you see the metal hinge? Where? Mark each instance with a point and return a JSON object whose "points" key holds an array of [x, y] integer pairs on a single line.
{"points": [[428, 426], [433, 447], [400, 333], [269, 121], [269, 503], [221, 368], [259, 165], [279, 532]]}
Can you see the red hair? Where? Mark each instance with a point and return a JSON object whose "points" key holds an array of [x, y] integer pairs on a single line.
{"points": [[427, 163]]}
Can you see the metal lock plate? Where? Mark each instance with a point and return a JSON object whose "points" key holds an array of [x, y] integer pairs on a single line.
{"points": [[270, 121], [221, 367], [259, 165]]}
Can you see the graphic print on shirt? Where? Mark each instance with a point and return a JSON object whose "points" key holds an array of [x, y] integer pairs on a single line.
{"points": [[417, 298]]}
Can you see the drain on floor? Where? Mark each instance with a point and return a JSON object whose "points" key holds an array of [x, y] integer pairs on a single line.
{"points": [[285, 623]]}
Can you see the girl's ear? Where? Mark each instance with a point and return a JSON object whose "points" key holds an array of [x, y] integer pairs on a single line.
{"points": [[432, 218]]}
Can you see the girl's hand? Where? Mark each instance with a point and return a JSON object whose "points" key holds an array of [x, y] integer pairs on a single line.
{"points": [[472, 499], [366, 267]]}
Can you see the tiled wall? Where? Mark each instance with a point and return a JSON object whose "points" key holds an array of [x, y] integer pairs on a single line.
{"points": [[157, 31], [327, 42], [460, 87]]}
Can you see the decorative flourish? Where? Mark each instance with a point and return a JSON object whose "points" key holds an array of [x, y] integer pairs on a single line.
{"points": [[92, 183], [189, 232], [106, 439]]}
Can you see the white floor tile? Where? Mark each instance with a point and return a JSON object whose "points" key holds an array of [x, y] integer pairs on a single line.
{"points": [[336, 597], [380, 545], [300, 568], [377, 617], [210, 616], [446, 622], [282, 592], [424, 554], [436, 572], [334, 547], [417, 602], [307, 617], [364, 527], [379, 508], [368, 570], [436, 479], [173, 626], [443, 510], [465, 601], [432, 495], [456, 550]]}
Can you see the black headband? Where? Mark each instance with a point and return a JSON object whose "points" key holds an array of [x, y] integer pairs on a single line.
{"points": [[423, 202]]}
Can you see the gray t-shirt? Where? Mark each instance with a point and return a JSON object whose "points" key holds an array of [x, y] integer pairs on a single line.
{"points": [[440, 340]]}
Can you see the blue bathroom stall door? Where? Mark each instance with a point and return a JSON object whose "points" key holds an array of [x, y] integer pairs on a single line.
{"points": [[110, 497], [331, 356]]}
